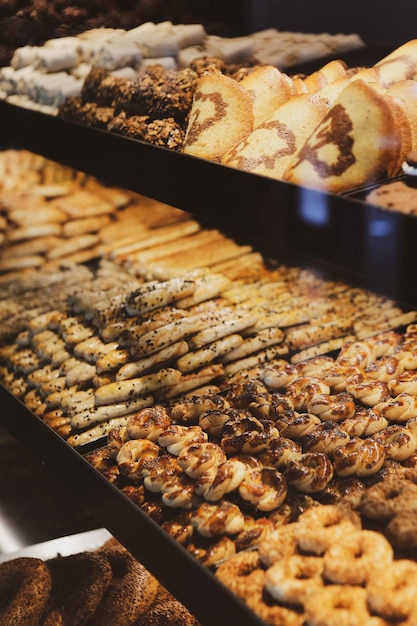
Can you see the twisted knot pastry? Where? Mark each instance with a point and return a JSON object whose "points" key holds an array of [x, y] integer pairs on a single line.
{"points": [[386, 343], [213, 420], [366, 422], [211, 520], [310, 473], [359, 353], [297, 425], [135, 456], [304, 390], [197, 459], [217, 551], [247, 436], [359, 457], [180, 527], [368, 391], [279, 452], [406, 382], [384, 369], [227, 478], [177, 491], [254, 532], [398, 442], [176, 437], [148, 423], [270, 406], [241, 394], [335, 407], [407, 356], [280, 374], [338, 376], [161, 470], [399, 409], [189, 410], [325, 438], [265, 488], [353, 560], [320, 526]]}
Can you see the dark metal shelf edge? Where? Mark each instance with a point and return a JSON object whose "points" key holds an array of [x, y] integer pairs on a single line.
{"points": [[367, 245]]}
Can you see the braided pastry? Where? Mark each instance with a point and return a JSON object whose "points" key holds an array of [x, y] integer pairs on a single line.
{"points": [[176, 437], [384, 369], [398, 409], [398, 442], [368, 391], [265, 488], [247, 436], [148, 423], [406, 382], [279, 452], [310, 473], [297, 425], [303, 390], [366, 422], [359, 457], [189, 410], [134, 457], [211, 520], [325, 438], [335, 407]]}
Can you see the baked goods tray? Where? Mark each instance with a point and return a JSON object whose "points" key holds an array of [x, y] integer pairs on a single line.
{"points": [[340, 235], [189, 581]]}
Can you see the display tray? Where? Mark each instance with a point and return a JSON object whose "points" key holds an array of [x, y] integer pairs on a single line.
{"points": [[188, 580], [339, 235]]}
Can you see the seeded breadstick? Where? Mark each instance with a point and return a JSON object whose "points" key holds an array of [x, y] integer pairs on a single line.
{"points": [[312, 334], [264, 339], [164, 356], [97, 432], [321, 348], [146, 299], [204, 356], [124, 390], [195, 380], [89, 417], [228, 325], [257, 359]]}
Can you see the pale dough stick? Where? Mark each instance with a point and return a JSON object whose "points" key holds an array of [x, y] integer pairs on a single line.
{"points": [[93, 348], [264, 339], [84, 204], [124, 390], [73, 245], [44, 229], [159, 338], [80, 226], [30, 247], [151, 239], [88, 417], [131, 370], [204, 356], [252, 361], [81, 373], [21, 262], [97, 432], [195, 380], [78, 401], [365, 330], [43, 213], [322, 348], [207, 287], [317, 333], [158, 296], [112, 360], [227, 326]]}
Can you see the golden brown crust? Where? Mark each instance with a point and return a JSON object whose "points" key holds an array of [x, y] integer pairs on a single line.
{"points": [[25, 584]]}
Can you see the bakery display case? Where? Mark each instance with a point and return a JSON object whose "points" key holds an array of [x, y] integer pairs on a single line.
{"points": [[341, 237]]}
